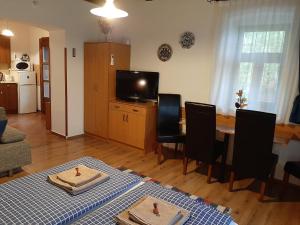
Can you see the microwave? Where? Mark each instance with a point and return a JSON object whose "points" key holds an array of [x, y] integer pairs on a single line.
{"points": [[21, 65]]}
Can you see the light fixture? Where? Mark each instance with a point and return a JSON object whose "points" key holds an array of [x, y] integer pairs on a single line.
{"points": [[109, 10], [7, 33]]}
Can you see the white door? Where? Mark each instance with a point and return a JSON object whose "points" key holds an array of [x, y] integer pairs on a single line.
{"points": [[27, 99]]}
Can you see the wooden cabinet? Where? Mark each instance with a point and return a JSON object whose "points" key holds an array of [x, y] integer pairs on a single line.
{"points": [[101, 60], [9, 97], [5, 50], [133, 124]]}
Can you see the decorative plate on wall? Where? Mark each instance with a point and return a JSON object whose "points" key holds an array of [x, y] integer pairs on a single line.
{"points": [[187, 40], [164, 52]]}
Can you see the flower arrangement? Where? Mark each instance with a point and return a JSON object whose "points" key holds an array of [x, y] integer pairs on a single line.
{"points": [[241, 101]]}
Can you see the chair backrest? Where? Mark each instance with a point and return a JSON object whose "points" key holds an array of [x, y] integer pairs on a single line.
{"points": [[253, 142], [200, 131], [168, 117]]}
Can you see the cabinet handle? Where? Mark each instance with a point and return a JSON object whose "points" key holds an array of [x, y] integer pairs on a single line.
{"points": [[123, 117], [135, 110], [117, 107]]}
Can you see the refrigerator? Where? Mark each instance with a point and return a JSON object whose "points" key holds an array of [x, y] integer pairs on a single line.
{"points": [[27, 90]]}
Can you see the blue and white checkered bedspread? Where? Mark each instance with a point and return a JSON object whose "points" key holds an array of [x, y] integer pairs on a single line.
{"points": [[32, 200], [200, 212]]}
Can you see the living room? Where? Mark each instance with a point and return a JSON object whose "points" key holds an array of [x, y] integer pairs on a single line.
{"points": [[152, 35]]}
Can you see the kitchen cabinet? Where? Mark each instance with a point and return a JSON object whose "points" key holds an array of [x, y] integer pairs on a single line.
{"points": [[133, 124], [5, 57], [9, 97]]}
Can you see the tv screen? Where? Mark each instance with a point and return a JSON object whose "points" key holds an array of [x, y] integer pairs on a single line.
{"points": [[137, 85]]}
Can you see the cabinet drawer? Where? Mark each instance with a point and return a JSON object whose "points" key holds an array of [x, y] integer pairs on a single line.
{"points": [[128, 108]]}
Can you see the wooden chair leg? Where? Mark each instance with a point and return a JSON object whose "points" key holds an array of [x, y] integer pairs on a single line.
{"points": [[209, 173], [262, 191], [176, 149], [159, 153], [232, 176], [185, 165], [10, 173], [286, 178]]}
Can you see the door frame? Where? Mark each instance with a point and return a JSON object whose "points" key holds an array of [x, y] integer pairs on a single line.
{"points": [[44, 42]]}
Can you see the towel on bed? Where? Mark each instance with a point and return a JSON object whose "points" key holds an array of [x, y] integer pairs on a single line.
{"points": [[77, 190], [142, 213], [86, 175]]}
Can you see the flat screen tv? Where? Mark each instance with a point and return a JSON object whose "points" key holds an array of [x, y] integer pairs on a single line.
{"points": [[137, 85]]}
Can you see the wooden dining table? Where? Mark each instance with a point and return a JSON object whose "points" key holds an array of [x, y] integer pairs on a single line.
{"points": [[228, 131]]}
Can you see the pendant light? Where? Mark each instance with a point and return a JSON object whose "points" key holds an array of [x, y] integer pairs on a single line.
{"points": [[7, 32], [109, 10]]}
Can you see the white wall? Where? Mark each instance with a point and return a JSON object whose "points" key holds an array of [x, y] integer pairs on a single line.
{"points": [[57, 46], [151, 24]]}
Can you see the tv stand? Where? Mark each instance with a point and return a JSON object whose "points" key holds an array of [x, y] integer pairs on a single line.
{"points": [[133, 123]]}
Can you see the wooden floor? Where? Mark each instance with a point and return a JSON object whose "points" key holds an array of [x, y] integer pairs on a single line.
{"points": [[49, 150]]}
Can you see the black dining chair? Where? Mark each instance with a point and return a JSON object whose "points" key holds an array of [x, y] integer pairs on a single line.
{"points": [[168, 118], [201, 144], [290, 168], [253, 144]]}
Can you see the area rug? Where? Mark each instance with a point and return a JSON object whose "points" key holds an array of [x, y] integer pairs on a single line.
{"points": [[218, 207]]}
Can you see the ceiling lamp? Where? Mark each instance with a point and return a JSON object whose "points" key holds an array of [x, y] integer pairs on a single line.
{"points": [[7, 33], [109, 10]]}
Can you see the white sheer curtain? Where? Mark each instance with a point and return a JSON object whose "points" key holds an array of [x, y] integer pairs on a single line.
{"points": [[258, 53]]}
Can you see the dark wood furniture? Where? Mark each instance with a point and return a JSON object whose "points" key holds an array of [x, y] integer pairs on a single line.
{"points": [[9, 97], [290, 168], [168, 118], [5, 57], [200, 141], [253, 144]]}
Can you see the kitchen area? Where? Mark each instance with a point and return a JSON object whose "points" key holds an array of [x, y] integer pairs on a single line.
{"points": [[24, 68]]}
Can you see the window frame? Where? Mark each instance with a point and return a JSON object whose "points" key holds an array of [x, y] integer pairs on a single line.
{"points": [[259, 59]]}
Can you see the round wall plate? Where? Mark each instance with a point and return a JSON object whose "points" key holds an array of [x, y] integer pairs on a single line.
{"points": [[187, 40], [164, 52]]}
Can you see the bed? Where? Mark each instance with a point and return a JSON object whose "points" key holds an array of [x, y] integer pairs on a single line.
{"points": [[32, 200], [201, 213]]}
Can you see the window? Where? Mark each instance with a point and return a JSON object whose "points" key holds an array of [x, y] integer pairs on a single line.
{"points": [[259, 67], [257, 50]]}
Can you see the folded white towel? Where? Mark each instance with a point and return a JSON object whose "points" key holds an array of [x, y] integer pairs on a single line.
{"points": [[142, 213], [77, 190], [86, 175]]}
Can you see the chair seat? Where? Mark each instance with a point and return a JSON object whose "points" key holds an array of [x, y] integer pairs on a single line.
{"points": [[293, 168], [170, 136]]}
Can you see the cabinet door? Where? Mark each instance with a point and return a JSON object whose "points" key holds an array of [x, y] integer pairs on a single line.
{"points": [[96, 89], [136, 130], [5, 50], [2, 97], [118, 127], [11, 98]]}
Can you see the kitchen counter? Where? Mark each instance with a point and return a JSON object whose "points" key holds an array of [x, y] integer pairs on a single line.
{"points": [[8, 82]]}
